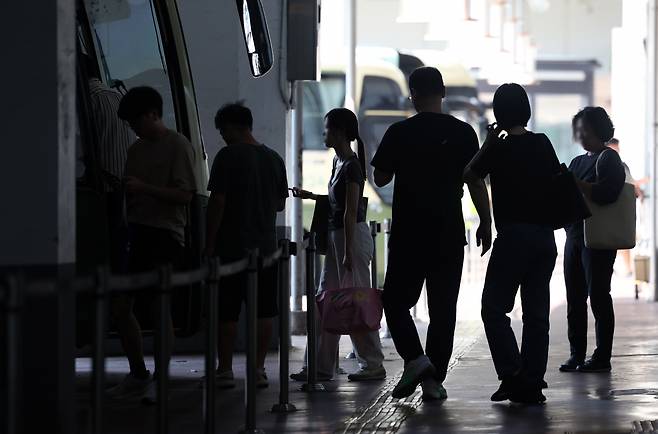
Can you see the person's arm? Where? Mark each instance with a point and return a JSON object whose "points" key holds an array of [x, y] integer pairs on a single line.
{"points": [[283, 185], [172, 195], [385, 160], [610, 182], [478, 167], [352, 191], [480, 197], [214, 216]]}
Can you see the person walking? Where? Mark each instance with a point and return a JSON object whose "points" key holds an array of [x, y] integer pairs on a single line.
{"points": [[350, 245], [521, 167], [427, 154], [588, 272]]}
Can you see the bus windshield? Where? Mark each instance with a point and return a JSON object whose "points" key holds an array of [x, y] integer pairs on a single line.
{"points": [[126, 35]]}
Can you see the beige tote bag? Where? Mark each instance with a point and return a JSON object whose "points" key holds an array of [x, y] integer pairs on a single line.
{"points": [[612, 226]]}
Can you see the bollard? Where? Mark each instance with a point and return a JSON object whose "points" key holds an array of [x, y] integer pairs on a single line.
{"points": [[284, 405], [98, 354], [161, 345], [252, 342], [311, 384], [14, 305], [212, 289]]}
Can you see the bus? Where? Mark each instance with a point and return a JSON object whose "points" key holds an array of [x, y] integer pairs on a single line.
{"points": [[141, 43]]}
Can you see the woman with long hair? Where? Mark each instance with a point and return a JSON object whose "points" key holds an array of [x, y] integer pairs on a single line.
{"points": [[349, 244]]}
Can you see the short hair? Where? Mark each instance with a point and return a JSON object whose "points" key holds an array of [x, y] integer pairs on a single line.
{"points": [[139, 101], [427, 81], [234, 114], [598, 120], [511, 106]]}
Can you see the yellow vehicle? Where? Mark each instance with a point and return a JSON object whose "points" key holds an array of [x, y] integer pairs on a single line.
{"points": [[382, 98]]}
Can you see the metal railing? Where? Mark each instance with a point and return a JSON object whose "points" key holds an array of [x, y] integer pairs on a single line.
{"points": [[102, 285]]}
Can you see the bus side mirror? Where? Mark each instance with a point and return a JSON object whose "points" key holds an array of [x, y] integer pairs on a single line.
{"points": [[256, 36]]}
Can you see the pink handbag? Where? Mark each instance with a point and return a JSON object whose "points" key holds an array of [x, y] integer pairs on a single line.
{"points": [[348, 310]]}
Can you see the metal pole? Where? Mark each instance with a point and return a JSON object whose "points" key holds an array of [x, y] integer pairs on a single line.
{"points": [[161, 351], [374, 228], [98, 361], [14, 306], [297, 205], [350, 70], [652, 122], [284, 406], [386, 333], [211, 345], [254, 267], [311, 384]]}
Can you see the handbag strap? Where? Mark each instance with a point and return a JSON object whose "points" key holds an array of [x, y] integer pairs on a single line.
{"points": [[596, 167]]}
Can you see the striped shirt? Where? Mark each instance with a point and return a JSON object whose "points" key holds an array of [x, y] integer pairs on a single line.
{"points": [[114, 134]]}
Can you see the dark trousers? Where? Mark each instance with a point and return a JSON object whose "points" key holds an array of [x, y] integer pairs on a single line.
{"points": [[118, 231], [588, 272], [523, 256], [408, 268]]}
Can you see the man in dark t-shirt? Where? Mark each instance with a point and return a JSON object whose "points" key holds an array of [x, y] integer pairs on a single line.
{"points": [[427, 154], [248, 187]]}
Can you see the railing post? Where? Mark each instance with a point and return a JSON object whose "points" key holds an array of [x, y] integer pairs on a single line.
{"points": [[385, 332], [98, 356], [211, 345], [253, 268], [284, 405], [311, 384], [161, 350], [14, 306], [374, 229]]}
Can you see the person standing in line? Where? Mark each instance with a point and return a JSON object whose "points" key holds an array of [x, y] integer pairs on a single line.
{"points": [[521, 167], [160, 184], [427, 154], [350, 245], [247, 187], [588, 272]]}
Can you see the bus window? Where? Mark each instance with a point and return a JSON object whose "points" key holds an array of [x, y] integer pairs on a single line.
{"points": [[319, 98], [380, 93], [127, 39]]}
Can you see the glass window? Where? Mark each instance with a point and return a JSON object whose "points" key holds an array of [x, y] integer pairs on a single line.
{"points": [[319, 98], [380, 93], [128, 43]]}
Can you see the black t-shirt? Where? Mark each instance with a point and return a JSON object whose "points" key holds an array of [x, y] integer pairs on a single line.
{"points": [[606, 188], [253, 178], [341, 175], [521, 168], [427, 153]]}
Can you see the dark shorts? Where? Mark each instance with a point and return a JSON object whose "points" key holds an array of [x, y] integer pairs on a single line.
{"points": [[152, 247], [233, 292]]}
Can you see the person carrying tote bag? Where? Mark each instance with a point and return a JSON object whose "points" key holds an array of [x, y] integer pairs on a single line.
{"points": [[349, 247], [612, 226], [588, 267]]}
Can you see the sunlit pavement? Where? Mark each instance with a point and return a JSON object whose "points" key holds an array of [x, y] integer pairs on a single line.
{"points": [[576, 402]]}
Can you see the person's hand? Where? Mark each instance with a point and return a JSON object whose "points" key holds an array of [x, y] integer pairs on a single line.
{"points": [[483, 237], [134, 185], [302, 194], [347, 261], [493, 132]]}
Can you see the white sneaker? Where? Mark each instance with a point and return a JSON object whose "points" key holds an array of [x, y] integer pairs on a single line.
{"points": [[130, 386], [225, 380], [414, 372], [261, 379], [433, 390], [365, 374]]}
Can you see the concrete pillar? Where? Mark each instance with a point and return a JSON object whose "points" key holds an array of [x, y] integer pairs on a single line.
{"points": [[37, 173]]}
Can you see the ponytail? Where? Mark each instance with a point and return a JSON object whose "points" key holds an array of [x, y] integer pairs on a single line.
{"points": [[361, 155], [347, 121]]}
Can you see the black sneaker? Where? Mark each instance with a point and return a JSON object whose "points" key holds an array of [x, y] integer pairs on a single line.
{"points": [[504, 391], [593, 365], [571, 365], [526, 392]]}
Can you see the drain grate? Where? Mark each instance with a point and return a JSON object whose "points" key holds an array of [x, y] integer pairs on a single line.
{"points": [[645, 426]]}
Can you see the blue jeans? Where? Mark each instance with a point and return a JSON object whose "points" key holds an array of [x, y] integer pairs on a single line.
{"points": [[523, 256]]}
